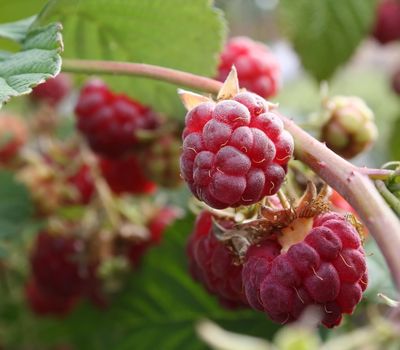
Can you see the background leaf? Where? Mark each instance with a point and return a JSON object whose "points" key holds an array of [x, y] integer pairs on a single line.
{"points": [[326, 33], [179, 34], [15, 205], [38, 60]]}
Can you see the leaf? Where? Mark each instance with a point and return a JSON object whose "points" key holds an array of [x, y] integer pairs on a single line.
{"points": [[179, 34], [38, 60], [326, 33], [16, 30], [15, 206]]}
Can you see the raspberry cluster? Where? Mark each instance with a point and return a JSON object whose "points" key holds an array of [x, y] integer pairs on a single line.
{"points": [[327, 269], [235, 151], [110, 121], [258, 69], [213, 265], [58, 274]]}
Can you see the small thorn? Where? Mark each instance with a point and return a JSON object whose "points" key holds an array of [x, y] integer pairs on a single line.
{"points": [[345, 262], [191, 99], [315, 273], [230, 87], [298, 294]]}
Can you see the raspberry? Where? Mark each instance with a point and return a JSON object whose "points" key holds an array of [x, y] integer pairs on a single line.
{"points": [[258, 69], [350, 128], [387, 25], [13, 135], [126, 176], [42, 303], [327, 268], [109, 121], [161, 162], [235, 152], [56, 264], [157, 226], [83, 182], [53, 90], [212, 264], [396, 82]]}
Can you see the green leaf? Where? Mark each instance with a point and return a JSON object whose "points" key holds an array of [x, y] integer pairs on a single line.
{"points": [[326, 33], [38, 60], [15, 206], [16, 30], [179, 34]]}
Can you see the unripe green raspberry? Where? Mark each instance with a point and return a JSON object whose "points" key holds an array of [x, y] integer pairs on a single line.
{"points": [[349, 128]]}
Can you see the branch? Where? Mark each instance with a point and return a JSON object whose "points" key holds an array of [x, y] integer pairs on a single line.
{"points": [[351, 182]]}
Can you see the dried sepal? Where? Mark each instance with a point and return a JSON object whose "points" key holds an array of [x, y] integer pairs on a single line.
{"points": [[191, 99], [360, 228], [230, 88]]}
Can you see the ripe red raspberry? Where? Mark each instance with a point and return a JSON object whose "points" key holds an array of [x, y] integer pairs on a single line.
{"points": [[109, 121], [57, 264], [258, 69], [43, 303], [13, 135], [326, 268], [235, 152], [396, 82], [53, 90], [387, 24], [212, 264], [157, 226], [125, 175]]}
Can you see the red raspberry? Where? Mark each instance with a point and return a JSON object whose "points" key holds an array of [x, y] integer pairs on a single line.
{"points": [[235, 152], [327, 269], [387, 25], [126, 176], [396, 82], [109, 121], [56, 264], [83, 182], [13, 135], [257, 68], [43, 303], [212, 264], [157, 226], [53, 90]]}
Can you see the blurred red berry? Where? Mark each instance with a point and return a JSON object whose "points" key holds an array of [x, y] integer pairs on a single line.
{"points": [[57, 264], [109, 121], [257, 68], [13, 135], [43, 303], [387, 23], [125, 175], [53, 90]]}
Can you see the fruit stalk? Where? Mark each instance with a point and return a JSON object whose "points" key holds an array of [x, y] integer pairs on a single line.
{"points": [[351, 182]]}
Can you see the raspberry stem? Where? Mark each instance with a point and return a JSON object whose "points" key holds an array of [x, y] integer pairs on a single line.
{"points": [[351, 182]]}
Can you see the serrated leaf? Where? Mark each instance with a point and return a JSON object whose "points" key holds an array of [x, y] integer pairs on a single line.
{"points": [[179, 34], [38, 60], [326, 33], [15, 206]]}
